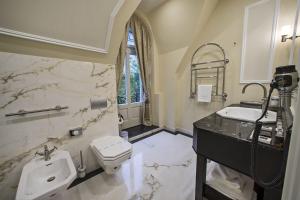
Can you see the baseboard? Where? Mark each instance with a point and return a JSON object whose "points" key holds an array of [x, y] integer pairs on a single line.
{"points": [[169, 129], [88, 176], [182, 130], [184, 134], [144, 135]]}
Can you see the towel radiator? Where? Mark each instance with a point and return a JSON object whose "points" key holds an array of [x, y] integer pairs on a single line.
{"points": [[209, 70]]}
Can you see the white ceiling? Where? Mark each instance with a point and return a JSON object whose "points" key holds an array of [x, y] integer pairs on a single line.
{"points": [[76, 23], [149, 5]]}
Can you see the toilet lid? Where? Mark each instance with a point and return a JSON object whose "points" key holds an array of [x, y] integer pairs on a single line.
{"points": [[125, 154], [111, 147]]}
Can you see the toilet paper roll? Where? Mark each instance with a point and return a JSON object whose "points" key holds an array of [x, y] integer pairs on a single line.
{"points": [[121, 119], [97, 103]]}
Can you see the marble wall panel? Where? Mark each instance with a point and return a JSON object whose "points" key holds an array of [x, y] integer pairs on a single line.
{"points": [[30, 83]]}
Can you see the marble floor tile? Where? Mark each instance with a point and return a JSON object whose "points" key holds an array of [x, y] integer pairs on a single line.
{"points": [[162, 167]]}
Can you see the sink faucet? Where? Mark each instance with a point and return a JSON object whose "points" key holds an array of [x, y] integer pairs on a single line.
{"points": [[264, 99], [46, 152]]}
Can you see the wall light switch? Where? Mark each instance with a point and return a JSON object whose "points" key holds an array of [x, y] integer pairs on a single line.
{"points": [[76, 131]]}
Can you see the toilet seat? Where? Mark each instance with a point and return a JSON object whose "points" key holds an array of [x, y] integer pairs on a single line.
{"points": [[111, 151], [111, 147], [110, 158]]}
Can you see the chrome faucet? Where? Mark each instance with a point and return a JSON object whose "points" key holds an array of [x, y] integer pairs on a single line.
{"points": [[46, 152], [264, 99]]}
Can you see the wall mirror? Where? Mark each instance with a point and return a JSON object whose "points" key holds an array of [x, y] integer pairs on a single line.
{"points": [[260, 22]]}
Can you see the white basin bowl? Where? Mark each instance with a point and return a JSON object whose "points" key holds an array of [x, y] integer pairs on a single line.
{"points": [[46, 179], [247, 114]]}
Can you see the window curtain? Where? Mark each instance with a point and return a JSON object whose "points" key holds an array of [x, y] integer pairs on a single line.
{"points": [[121, 58], [143, 46]]}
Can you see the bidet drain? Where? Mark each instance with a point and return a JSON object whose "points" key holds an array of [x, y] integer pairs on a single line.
{"points": [[50, 178]]}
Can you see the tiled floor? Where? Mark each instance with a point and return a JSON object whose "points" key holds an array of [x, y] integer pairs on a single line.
{"points": [[162, 167]]}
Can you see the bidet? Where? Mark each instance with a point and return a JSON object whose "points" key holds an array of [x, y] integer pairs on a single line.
{"points": [[45, 179]]}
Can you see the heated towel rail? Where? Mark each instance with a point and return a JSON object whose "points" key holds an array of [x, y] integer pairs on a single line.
{"points": [[209, 70]]}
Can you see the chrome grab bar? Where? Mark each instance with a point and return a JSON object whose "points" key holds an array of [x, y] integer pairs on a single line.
{"points": [[24, 112]]}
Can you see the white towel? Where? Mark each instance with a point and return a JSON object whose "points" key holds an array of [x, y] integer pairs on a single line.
{"points": [[204, 93], [229, 182]]}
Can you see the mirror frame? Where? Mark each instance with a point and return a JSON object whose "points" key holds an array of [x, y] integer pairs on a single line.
{"points": [[272, 43]]}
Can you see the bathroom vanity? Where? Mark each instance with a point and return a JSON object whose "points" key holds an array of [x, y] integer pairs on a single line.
{"points": [[226, 141]]}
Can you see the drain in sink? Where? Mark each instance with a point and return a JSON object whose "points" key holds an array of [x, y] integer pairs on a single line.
{"points": [[50, 178]]}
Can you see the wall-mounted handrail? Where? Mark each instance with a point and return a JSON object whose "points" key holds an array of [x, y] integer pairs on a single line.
{"points": [[24, 112]]}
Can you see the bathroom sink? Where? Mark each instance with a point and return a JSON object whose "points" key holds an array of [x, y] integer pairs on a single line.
{"points": [[42, 179], [247, 114]]}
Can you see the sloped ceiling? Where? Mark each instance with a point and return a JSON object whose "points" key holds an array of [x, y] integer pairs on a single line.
{"points": [[147, 6], [76, 23], [174, 23]]}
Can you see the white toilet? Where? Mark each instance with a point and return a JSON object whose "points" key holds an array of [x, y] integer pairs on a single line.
{"points": [[111, 151]]}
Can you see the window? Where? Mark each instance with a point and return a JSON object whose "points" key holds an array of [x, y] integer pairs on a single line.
{"points": [[130, 90]]}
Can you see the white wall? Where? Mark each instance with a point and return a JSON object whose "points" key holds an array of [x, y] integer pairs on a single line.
{"points": [[41, 82], [225, 27], [291, 182], [170, 48], [168, 82], [292, 176], [221, 22]]}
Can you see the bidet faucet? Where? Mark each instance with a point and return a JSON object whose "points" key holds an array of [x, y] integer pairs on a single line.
{"points": [[46, 152], [264, 99]]}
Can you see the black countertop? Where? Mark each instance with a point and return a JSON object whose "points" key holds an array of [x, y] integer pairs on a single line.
{"points": [[237, 129], [227, 127]]}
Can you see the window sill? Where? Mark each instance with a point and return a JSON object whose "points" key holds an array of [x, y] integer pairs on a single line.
{"points": [[131, 105]]}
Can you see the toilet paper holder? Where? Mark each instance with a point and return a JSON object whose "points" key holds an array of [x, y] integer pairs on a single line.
{"points": [[98, 103]]}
